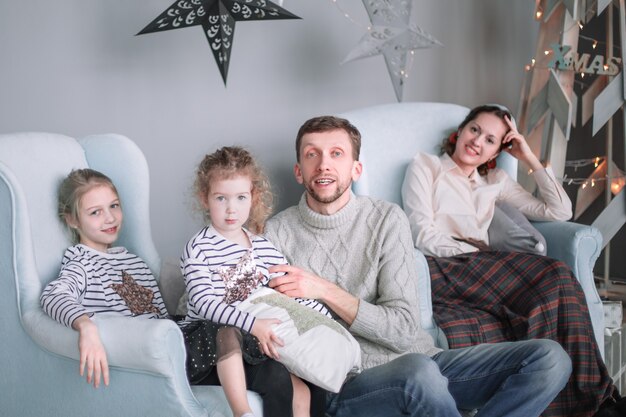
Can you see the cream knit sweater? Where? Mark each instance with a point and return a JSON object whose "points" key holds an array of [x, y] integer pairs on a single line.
{"points": [[366, 248]]}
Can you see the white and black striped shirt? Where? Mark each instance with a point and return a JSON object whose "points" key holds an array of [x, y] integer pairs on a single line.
{"points": [[84, 284], [204, 254]]}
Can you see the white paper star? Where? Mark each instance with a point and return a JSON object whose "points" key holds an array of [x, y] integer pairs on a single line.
{"points": [[392, 36]]}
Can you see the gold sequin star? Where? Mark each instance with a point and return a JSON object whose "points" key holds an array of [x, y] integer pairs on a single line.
{"points": [[137, 297]]}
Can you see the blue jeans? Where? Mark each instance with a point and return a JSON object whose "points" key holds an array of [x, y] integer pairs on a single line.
{"points": [[513, 379]]}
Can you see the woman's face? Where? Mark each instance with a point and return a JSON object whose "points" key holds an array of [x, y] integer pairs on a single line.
{"points": [[479, 141]]}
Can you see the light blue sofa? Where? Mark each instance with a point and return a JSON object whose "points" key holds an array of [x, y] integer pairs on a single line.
{"points": [[39, 367], [393, 133]]}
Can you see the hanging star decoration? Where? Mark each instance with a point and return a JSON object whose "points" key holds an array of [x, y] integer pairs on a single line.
{"points": [[137, 297], [391, 35], [217, 18]]}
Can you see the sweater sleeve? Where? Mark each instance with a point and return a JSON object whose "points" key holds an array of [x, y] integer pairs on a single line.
{"points": [[392, 319], [554, 203], [60, 299], [417, 199]]}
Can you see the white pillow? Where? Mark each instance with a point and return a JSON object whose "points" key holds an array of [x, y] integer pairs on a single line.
{"points": [[317, 348]]}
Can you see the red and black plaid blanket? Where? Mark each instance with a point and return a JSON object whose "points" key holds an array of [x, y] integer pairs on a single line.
{"points": [[503, 296]]}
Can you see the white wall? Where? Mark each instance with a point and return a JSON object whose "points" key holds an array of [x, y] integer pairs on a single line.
{"points": [[75, 67]]}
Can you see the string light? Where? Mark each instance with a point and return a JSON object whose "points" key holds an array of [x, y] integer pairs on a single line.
{"points": [[538, 10], [617, 180], [347, 16], [578, 163]]}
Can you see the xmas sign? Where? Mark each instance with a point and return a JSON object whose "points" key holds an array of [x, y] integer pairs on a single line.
{"points": [[582, 63]]}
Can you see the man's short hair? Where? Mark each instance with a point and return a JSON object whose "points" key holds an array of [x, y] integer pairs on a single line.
{"points": [[325, 124]]}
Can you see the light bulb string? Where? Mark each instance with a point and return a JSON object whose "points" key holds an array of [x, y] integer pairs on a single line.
{"points": [[596, 161]]}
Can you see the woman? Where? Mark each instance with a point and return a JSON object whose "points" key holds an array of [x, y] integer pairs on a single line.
{"points": [[486, 296]]}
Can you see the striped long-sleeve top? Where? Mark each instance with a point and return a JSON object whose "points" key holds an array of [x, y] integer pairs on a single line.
{"points": [[208, 253], [93, 282]]}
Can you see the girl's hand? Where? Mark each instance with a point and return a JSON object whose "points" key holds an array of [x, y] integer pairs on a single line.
{"points": [[515, 144], [92, 353], [262, 330]]}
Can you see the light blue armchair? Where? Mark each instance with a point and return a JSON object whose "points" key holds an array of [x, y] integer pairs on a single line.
{"points": [[39, 356], [392, 134]]}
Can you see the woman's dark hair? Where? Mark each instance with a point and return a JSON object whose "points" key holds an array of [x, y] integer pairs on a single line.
{"points": [[448, 147]]}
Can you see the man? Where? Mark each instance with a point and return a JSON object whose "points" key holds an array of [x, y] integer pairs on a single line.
{"points": [[355, 254]]}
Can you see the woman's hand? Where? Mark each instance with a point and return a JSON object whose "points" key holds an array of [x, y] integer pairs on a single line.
{"points": [[92, 353], [515, 144], [262, 330], [478, 244]]}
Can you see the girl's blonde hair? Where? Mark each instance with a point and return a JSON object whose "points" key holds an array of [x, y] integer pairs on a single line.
{"points": [[73, 188], [229, 162]]}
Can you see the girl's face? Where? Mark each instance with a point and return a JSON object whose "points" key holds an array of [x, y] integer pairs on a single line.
{"points": [[99, 218], [479, 141], [228, 203]]}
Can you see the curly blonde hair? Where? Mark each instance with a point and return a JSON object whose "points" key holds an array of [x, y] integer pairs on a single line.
{"points": [[229, 162]]}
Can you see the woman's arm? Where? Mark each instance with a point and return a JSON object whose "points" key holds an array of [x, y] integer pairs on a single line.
{"points": [[417, 198], [554, 203]]}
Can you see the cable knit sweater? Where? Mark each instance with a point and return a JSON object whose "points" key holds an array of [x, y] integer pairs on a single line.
{"points": [[366, 248]]}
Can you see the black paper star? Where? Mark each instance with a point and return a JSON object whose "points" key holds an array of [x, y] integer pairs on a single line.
{"points": [[217, 18]]}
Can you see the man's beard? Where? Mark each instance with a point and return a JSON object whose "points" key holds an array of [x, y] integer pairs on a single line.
{"points": [[341, 188]]}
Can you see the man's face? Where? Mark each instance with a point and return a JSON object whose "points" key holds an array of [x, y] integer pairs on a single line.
{"points": [[327, 169]]}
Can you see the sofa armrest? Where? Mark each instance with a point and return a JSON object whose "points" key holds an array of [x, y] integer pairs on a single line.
{"points": [[578, 246], [146, 345], [424, 291]]}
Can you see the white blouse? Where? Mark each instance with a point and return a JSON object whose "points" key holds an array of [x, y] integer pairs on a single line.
{"points": [[443, 203]]}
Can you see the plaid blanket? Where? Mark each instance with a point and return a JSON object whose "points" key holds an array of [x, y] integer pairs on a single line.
{"points": [[503, 296]]}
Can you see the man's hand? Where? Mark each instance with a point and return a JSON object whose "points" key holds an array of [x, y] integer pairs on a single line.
{"points": [[298, 283], [92, 353]]}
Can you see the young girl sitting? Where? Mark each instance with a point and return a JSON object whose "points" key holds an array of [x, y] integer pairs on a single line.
{"points": [[96, 278], [224, 262]]}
